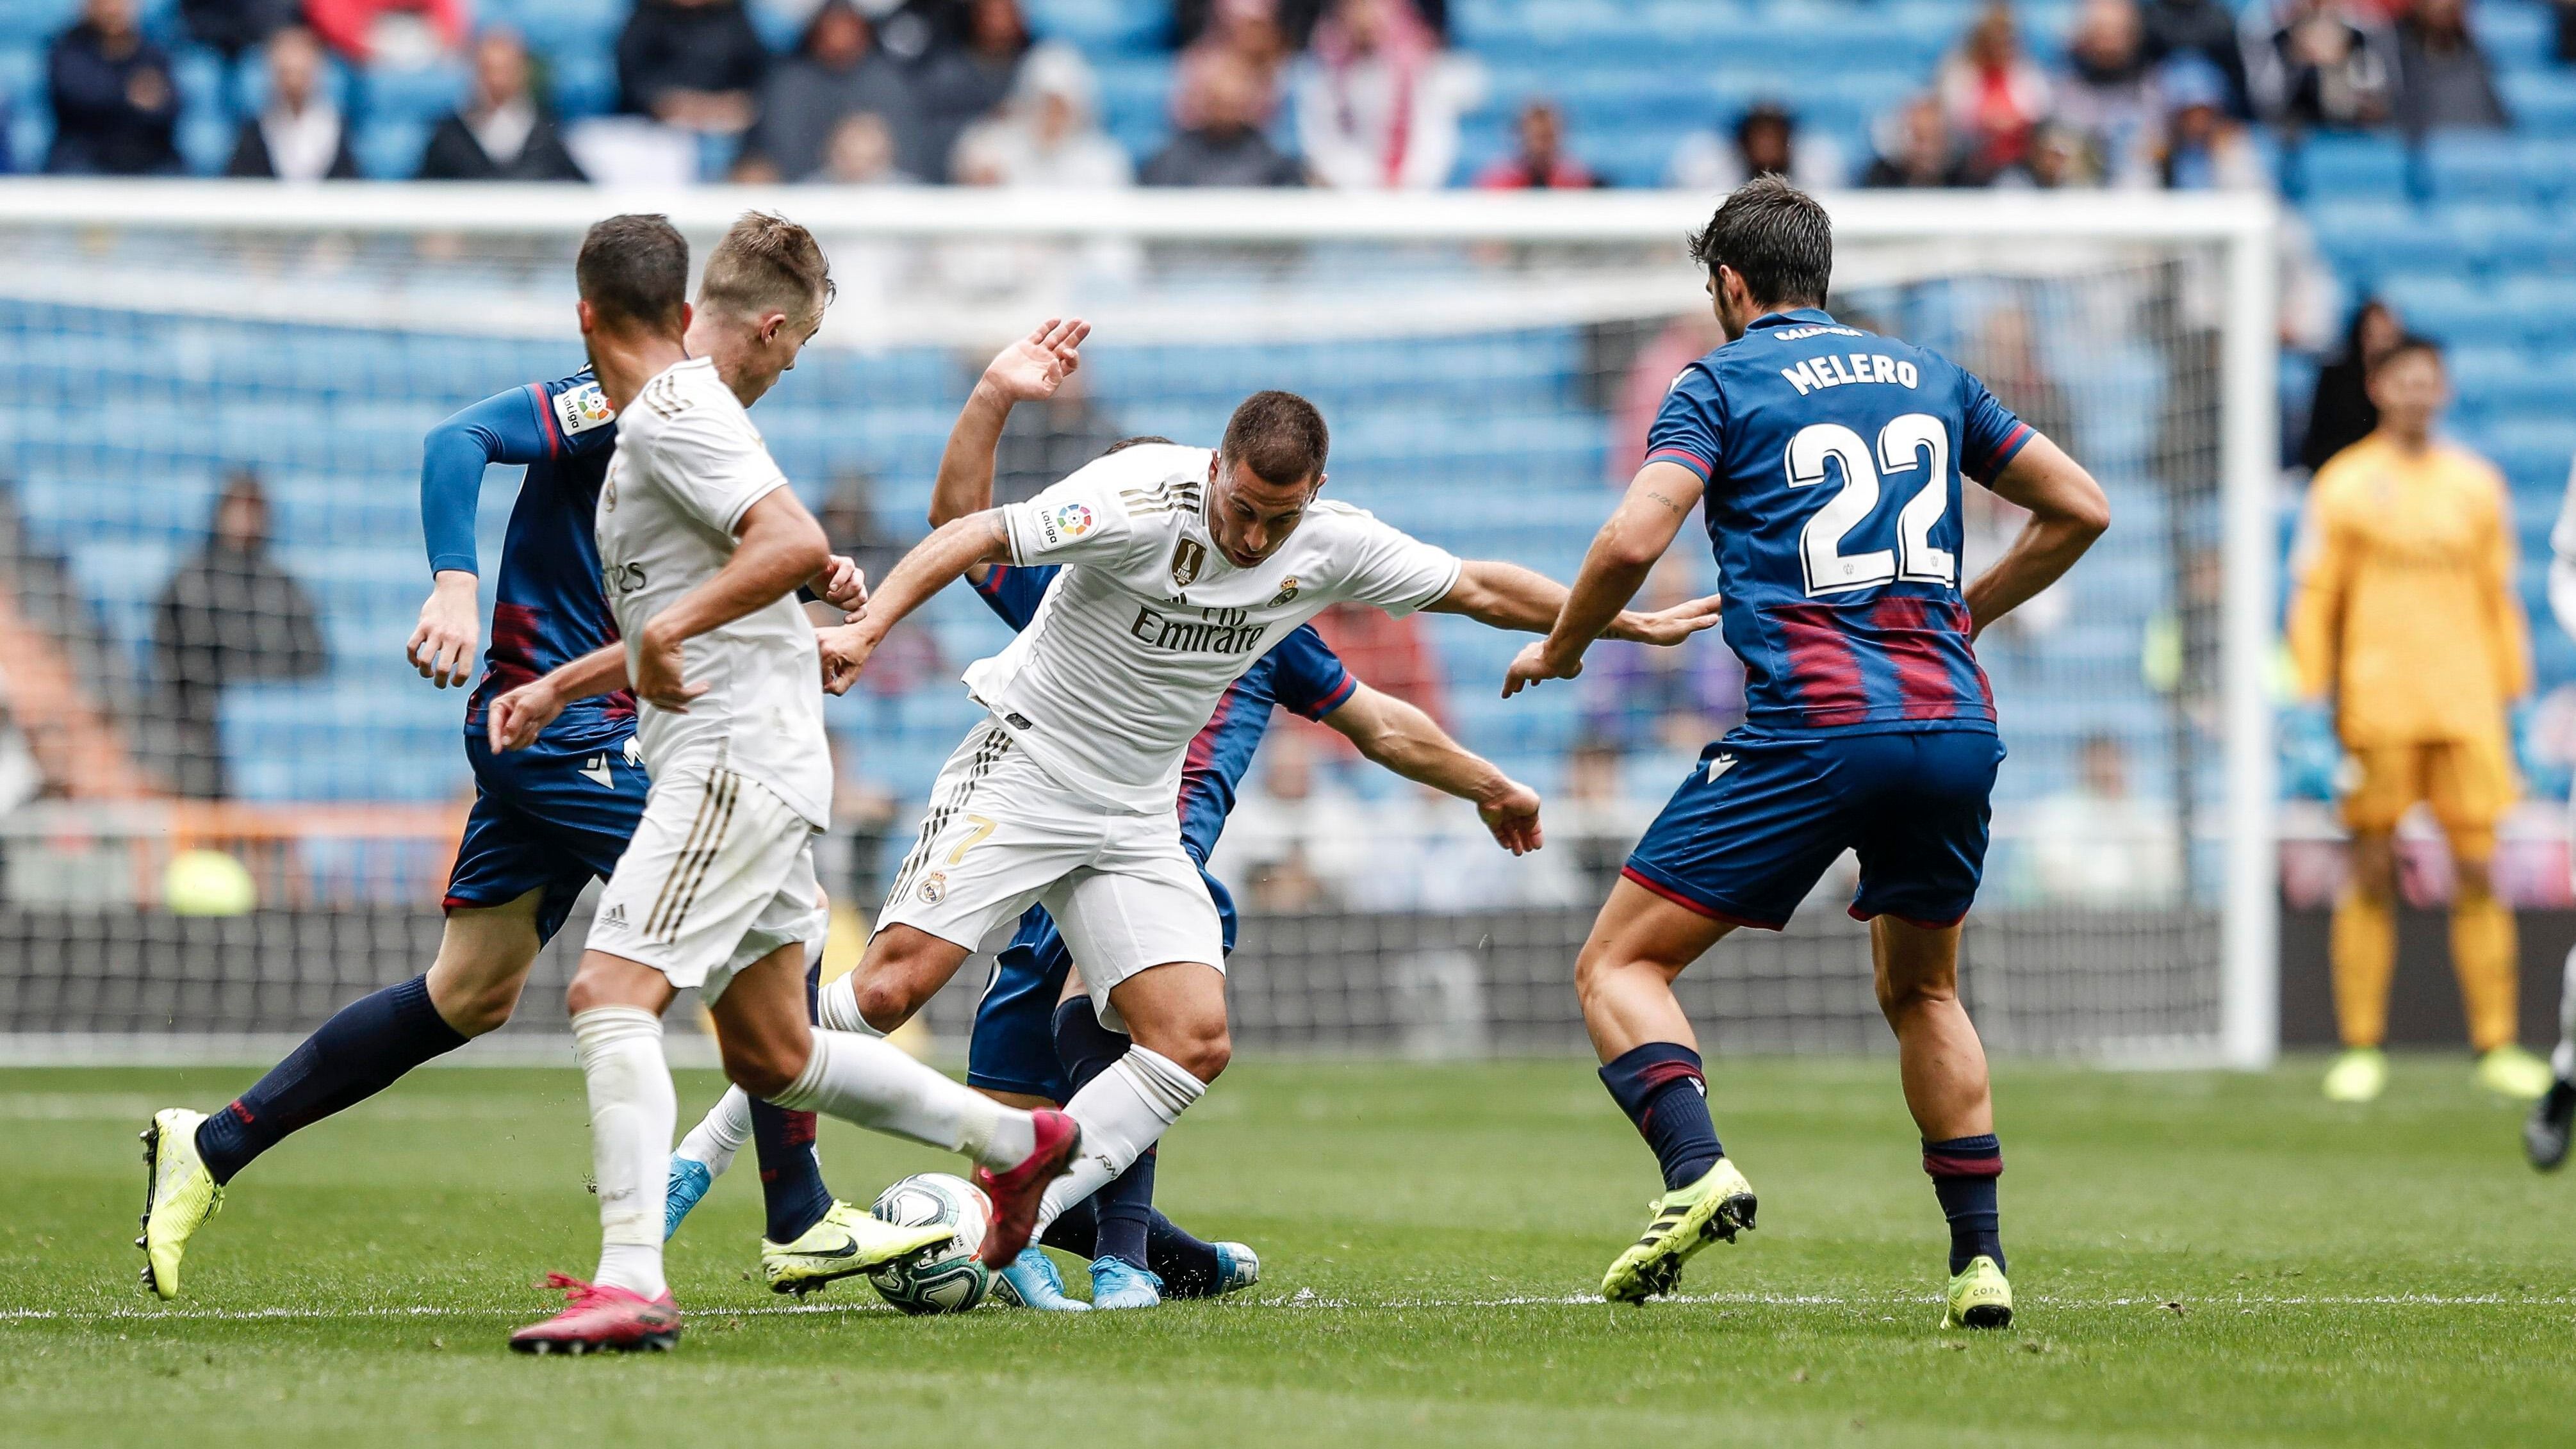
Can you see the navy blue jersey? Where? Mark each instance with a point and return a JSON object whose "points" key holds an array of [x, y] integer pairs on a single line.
{"points": [[547, 608], [1833, 460], [1301, 673]]}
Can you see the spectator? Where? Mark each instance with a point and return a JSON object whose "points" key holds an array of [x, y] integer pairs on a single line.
{"points": [[1294, 846], [1593, 819], [297, 136], [1043, 442], [2205, 149], [1764, 142], [229, 614], [961, 84], [1918, 150], [1541, 163], [2563, 33], [2442, 78], [406, 33], [2318, 67], [230, 27], [1640, 698], [1241, 33], [2340, 412], [1683, 341], [1377, 104], [1225, 146], [2097, 844], [1050, 135], [2108, 92], [2206, 28], [1991, 93], [1296, 19], [115, 110], [693, 64], [502, 133], [2060, 156], [863, 153], [837, 69]]}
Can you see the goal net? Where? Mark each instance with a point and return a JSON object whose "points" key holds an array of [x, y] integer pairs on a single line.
{"points": [[231, 804]]}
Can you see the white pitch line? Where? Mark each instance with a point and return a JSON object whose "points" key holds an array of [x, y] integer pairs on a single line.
{"points": [[1308, 1301]]}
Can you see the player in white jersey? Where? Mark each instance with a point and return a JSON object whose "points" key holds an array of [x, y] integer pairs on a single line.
{"points": [[2545, 1135], [1183, 566], [702, 547]]}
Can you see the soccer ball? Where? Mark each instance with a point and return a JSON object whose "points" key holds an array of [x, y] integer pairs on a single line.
{"points": [[948, 1278]]}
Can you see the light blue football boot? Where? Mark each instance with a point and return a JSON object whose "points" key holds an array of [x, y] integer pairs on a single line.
{"points": [[1237, 1268], [689, 1182], [1032, 1282], [1117, 1283]]}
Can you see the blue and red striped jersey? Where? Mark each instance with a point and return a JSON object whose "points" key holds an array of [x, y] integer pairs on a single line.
{"points": [[1833, 459], [1300, 673], [547, 608]]}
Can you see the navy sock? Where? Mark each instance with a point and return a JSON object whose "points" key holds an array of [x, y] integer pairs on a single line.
{"points": [[359, 1052], [1187, 1266], [1125, 1211], [1661, 1088], [1963, 1171], [1083, 1045], [1075, 1232], [791, 1176]]}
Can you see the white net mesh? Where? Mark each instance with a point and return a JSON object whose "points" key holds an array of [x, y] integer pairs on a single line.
{"points": [[233, 803]]}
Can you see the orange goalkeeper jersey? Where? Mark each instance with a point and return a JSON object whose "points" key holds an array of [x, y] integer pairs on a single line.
{"points": [[2406, 611]]}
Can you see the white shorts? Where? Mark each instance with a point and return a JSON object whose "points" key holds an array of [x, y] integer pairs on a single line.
{"points": [[720, 874], [1003, 835]]}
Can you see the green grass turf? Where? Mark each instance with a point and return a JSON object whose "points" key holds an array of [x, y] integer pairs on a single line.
{"points": [[2200, 1259]]}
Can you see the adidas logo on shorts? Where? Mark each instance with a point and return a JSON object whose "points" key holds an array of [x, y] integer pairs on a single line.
{"points": [[615, 915]]}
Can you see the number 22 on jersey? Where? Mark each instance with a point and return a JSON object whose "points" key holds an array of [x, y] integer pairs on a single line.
{"points": [[1901, 450]]}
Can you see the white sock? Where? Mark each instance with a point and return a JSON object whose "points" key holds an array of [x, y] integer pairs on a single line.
{"points": [[836, 1008], [2563, 1060], [720, 1134], [632, 1113], [871, 1081], [1122, 1112]]}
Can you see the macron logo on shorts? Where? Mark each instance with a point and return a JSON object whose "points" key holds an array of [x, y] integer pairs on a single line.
{"points": [[1720, 766]]}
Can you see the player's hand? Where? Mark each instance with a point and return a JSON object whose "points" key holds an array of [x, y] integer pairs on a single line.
{"points": [[516, 719], [841, 585], [1031, 369], [845, 652], [442, 643], [1533, 664], [1513, 817], [1668, 626], [657, 673]]}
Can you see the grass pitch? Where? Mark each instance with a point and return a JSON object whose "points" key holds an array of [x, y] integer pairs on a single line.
{"points": [[2199, 1259]]}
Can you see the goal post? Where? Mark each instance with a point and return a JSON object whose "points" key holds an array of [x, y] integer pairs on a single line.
{"points": [[1482, 358]]}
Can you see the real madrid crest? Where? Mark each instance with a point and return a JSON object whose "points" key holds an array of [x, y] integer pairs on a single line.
{"points": [[1188, 557], [1287, 591], [934, 887]]}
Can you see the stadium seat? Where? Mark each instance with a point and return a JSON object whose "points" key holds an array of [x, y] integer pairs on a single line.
{"points": [[2542, 103], [420, 93], [35, 22], [2474, 166], [2345, 167]]}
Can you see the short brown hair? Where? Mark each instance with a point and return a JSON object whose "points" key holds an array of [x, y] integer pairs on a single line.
{"points": [[2413, 344], [767, 263], [1776, 237], [634, 270], [1279, 436]]}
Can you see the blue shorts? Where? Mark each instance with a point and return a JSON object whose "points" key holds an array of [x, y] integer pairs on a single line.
{"points": [[551, 817], [1013, 1046], [1760, 820]]}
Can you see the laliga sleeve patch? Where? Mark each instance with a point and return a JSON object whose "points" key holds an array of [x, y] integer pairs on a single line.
{"points": [[1074, 519], [580, 409]]}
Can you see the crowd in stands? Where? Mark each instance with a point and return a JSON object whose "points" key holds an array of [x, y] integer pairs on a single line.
{"points": [[1351, 94]]}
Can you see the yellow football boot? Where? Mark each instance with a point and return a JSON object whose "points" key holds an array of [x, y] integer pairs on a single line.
{"points": [[847, 1241], [1979, 1296], [2513, 1073], [1687, 1219], [2359, 1075], [179, 1194]]}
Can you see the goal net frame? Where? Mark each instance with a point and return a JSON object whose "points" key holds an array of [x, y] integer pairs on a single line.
{"points": [[2239, 229]]}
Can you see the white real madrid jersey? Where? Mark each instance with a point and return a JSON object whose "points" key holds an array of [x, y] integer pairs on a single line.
{"points": [[1141, 633], [688, 466]]}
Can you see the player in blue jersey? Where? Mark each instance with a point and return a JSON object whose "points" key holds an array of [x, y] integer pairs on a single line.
{"points": [[1037, 1038], [545, 820], [1830, 460]]}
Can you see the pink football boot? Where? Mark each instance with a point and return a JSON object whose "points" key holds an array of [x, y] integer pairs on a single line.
{"points": [[597, 1317], [1016, 1193]]}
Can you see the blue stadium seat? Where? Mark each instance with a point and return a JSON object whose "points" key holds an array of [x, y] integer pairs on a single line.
{"points": [[1101, 27], [390, 150], [2543, 103], [582, 83], [420, 93], [35, 22], [2345, 167], [2515, 37], [2474, 166]]}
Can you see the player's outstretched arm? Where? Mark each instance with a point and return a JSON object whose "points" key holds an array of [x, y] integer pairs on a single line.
{"points": [[934, 563], [1412, 744], [1029, 370], [2067, 512], [1508, 596], [516, 719], [777, 546], [502, 428], [1660, 498]]}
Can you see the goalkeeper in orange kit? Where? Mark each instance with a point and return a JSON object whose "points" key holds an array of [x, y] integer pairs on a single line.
{"points": [[2405, 616]]}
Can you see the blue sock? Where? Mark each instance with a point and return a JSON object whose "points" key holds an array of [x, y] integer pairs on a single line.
{"points": [[1187, 1266], [791, 1176], [1661, 1088], [1122, 1212], [1083, 1045], [359, 1052], [1963, 1171]]}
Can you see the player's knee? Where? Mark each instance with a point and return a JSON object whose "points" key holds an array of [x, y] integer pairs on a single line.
{"points": [[762, 1068], [1903, 993], [1200, 1046], [480, 1010], [884, 998], [2373, 868], [2472, 877]]}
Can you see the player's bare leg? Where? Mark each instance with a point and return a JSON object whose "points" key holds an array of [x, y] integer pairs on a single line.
{"points": [[1943, 1067], [903, 967], [2364, 957], [471, 988], [1650, 1062]]}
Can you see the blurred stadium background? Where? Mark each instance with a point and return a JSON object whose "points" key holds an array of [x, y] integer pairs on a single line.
{"points": [[1487, 366]]}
